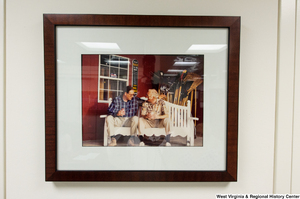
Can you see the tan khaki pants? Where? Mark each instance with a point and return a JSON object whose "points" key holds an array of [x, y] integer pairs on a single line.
{"points": [[160, 123], [113, 122]]}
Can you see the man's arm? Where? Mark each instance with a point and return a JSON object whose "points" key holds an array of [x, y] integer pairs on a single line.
{"points": [[161, 116], [164, 111], [144, 112], [113, 109]]}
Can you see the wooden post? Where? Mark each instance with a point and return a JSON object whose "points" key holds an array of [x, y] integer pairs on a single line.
{"points": [[192, 96], [179, 95], [195, 105], [175, 96]]}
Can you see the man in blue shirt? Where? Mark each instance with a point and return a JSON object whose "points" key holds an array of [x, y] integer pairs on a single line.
{"points": [[122, 112]]}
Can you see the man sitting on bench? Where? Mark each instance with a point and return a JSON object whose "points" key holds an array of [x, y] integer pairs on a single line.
{"points": [[122, 112], [154, 115]]}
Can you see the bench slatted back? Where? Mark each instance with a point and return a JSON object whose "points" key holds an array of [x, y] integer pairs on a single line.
{"points": [[179, 115]]}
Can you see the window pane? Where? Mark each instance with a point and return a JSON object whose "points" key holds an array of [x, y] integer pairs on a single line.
{"points": [[114, 72], [124, 63], [113, 94], [114, 61], [123, 74], [113, 85], [103, 83], [105, 59], [122, 85], [104, 70], [103, 95]]}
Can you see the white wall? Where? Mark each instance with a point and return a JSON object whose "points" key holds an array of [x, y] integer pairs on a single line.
{"points": [[295, 171], [2, 80], [287, 135], [258, 171], [285, 97]]}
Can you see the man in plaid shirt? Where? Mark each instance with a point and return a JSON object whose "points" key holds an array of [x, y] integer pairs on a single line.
{"points": [[122, 112]]}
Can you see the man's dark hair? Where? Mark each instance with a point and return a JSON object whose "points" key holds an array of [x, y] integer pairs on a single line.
{"points": [[127, 89]]}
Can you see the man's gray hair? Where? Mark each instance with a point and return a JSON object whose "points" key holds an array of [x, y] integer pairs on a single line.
{"points": [[153, 92]]}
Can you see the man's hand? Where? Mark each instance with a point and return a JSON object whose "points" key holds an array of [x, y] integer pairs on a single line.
{"points": [[151, 116], [121, 112]]}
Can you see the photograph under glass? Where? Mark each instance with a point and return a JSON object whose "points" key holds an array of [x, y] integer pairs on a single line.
{"points": [[142, 100]]}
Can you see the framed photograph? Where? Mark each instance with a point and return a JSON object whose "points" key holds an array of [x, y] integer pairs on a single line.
{"points": [[141, 98]]}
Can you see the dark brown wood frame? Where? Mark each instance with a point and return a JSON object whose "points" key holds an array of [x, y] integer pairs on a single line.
{"points": [[53, 20]]}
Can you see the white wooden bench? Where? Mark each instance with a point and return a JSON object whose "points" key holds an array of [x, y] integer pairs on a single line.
{"points": [[181, 124]]}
